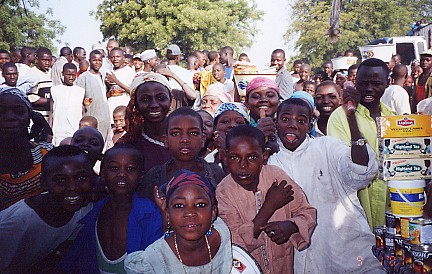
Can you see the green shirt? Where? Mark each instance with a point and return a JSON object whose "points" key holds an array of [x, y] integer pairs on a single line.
{"points": [[374, 198]]}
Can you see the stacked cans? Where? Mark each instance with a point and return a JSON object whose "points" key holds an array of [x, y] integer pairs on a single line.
{"points": [[404, 244]]}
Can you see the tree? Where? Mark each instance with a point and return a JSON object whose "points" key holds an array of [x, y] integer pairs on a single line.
{"points": [[19, 26], [361, 21], [191, 24]]}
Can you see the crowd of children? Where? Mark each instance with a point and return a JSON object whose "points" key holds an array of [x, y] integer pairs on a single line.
{"points": [[125, 163]]}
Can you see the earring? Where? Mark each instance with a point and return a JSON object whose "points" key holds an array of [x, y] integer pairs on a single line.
{"points": [[210, 232], [168, 231]]}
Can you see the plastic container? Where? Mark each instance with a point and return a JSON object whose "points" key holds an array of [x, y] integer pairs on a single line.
{"points": [[407, 197]]}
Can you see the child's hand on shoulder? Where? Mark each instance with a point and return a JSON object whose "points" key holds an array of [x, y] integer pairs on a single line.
{"points": [[280, 232], [278, 195]]}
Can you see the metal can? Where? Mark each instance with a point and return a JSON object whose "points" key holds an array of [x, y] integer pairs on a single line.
{"points": [[404, 227], [390, 243], [398, 245], [379, 232], [392, 223], [420, 231], [422, 258], [407, 257]]}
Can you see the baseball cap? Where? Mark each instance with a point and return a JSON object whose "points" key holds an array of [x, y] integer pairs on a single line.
{"points": [[147, 54], [175, 50]]}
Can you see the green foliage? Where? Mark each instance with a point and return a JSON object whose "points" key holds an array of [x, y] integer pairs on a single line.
{"points": [[191, 24], [20, 26], [361, 21]]}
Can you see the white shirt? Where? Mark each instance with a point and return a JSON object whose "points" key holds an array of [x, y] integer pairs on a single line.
{"points": [[67, 111], [183, 74], [323, 168], [396, 98], [26, 239]]}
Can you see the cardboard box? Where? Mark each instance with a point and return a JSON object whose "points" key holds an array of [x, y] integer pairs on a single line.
{"points": [[407, 147], [404, 126], [403, 169]]}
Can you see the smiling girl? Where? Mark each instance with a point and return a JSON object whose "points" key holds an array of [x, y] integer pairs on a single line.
{"points": [[197, 241], [146, 117]]}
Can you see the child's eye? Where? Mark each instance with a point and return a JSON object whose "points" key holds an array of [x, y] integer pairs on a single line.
{"points": [[234, 157], [113, 168], [174, 133], [162, 98], [301, 122], [60, 181], [82, 178], [252, 157], [194, 133], [131, 168], [201, 205], [178, 206]]}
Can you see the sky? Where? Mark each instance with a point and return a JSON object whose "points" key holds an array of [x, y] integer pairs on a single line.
{"points": [[83, 29]]}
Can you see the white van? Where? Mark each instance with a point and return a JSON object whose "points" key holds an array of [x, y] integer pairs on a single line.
{"points": [[408, 47]]}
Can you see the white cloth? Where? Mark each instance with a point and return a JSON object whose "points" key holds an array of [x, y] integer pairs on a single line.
{"points": [[67, 111], [25, 238], [125, 75], [183, 74], [425, 106], [396, 98], [22, 69], [342, 241], [57, 69], [228, 86], [158, 258]]}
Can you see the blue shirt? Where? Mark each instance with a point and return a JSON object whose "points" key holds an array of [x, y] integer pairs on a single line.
{"points": [[144, 228]]}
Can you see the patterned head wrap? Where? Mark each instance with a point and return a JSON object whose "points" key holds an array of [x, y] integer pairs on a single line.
{"points": [[133, 119], [261, 82], [186, 177], [238, 107], [19, 93]]}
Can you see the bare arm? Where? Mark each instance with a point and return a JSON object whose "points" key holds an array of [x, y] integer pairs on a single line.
{"points": [[189, 91]]}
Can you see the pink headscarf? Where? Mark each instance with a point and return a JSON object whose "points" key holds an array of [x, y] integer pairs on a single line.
{"points": [[261, 82], [217, 91]]}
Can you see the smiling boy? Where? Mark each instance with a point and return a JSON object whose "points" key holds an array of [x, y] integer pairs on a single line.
{"points": [[283, 77], [327, 99], [33, 227], [330, 173]]}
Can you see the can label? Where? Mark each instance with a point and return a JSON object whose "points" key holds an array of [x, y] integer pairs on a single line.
{"points": [[407, 253], [380, 236], [398, 246], [422, 259], [392, 223], [404, 227], [390, 243], [420, 231]]}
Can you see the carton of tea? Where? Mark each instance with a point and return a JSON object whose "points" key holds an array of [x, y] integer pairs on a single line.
{"points": [[404, 147], [404, 126], [402, 169]]}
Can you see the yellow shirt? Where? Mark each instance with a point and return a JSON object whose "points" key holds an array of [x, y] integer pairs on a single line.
{"points": [[374, 198]]}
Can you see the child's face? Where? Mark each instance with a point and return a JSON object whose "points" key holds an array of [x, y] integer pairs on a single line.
{"points": [[138, 63], [88, 139], [340, 80], [292, 125], [190, 212], [409, 81], [309, 88], [121, 172], [153, 101], [277, 60], [69, 182], [207, 125], [352, 75], [263, 98], [326, 100], [229, 120], [185, 138], [96, 61], [272, 145], [245, 158], [128, 62], [297, 68], [69, 76], [304, 73], [210, 103], [218, 72], [328, 68], [119, 121], [14, 114]]}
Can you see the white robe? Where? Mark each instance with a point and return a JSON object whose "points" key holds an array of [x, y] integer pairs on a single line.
{"points": [[342, 240]]}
